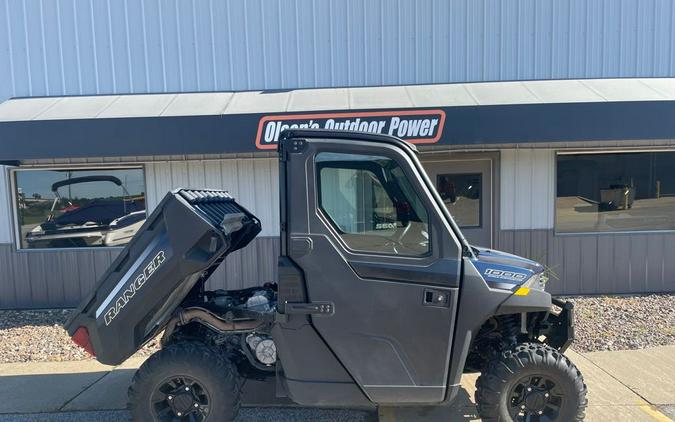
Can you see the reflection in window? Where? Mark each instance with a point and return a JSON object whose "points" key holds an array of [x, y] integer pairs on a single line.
{"points": [[615, 192], [372, 204], [79, 208], [461, 194]]}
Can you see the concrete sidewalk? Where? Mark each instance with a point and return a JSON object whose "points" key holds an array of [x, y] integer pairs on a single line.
{"points": [[623, 386]]}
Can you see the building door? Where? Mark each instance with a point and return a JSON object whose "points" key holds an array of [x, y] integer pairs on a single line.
{"points": [[465, 184]]}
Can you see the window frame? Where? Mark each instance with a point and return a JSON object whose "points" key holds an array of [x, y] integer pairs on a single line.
{"points": [[13, 191], [592, 151], [335, 228]]}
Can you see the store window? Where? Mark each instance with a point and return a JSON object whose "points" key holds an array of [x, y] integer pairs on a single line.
{"points": [[615, 192], [461, 194], [372, 204], [79, 208]]}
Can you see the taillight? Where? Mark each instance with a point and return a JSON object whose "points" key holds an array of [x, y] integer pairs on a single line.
{"points": [[81, 338]]}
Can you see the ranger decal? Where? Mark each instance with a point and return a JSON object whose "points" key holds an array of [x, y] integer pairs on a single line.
{"points": [[134, 287]]}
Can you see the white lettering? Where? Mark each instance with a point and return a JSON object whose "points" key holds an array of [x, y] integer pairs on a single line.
{"points": [[414, 127], [395, 121], [434, 122], [424, 129], [269, 132], [402, 128], [134, 287]]}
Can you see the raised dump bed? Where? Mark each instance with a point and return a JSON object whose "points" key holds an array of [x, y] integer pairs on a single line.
{"points": [[182, 242]]}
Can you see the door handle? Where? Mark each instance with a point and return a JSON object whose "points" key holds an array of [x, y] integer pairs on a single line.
{"points": [[437, 298], [310, 308]]}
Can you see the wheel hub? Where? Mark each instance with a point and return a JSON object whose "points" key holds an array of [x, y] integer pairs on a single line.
{"points": [[182, 403], [535, 395], [535, 401], [181, 398]]}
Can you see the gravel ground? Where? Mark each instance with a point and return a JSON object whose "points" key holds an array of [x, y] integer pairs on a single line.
{"points": [[623, 322], [39, 336], [603, 323]]}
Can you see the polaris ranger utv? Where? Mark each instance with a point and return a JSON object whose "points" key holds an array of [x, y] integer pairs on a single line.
{"points": [[379, 299]]}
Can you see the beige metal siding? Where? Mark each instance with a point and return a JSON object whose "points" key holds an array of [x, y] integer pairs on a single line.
{"points": [[61, 278], [254, 265], [49, 278], [253, 182], [527, 189], [602, 263]]}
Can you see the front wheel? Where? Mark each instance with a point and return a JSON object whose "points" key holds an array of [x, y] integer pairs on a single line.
{"points": [[532, 382], [186, 381]]}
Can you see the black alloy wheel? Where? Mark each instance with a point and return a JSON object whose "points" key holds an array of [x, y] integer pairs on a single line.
{"points": [[187, 381], [535, 398], [532, 382]]}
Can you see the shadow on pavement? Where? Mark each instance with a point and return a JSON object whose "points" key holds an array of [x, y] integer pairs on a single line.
{"points": [[84, 392], [32, 393], [462, 409]]}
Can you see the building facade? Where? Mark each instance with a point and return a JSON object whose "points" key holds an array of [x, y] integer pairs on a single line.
{"points": [[592, 204]]}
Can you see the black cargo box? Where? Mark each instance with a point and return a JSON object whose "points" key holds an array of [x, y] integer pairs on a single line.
{"points": [[182, 242]]}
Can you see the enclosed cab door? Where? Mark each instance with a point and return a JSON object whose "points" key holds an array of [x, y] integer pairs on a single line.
{"points": [[370, 271]]}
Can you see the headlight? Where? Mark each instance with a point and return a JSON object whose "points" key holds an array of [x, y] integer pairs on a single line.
{"points": [[537, 281]]}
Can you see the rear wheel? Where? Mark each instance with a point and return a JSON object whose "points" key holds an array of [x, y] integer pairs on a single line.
{"points": [[532, 382], [187, 381]]}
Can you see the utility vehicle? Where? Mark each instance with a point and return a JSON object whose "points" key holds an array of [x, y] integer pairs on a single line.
{"points": [[379, 300], [102, 222]]}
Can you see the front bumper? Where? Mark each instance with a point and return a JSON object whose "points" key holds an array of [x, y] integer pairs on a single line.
{"points": [[559, 329]]}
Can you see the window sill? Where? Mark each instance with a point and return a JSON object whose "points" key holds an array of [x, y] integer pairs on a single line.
{"points": [[635, 232]]}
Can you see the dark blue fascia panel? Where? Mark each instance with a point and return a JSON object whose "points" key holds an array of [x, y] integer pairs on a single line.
{"points": [[565, 122], [236, 133]]}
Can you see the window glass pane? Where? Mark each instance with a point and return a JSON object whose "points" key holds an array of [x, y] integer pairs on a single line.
{"points": [[615, 192], [372, 204], [78, 208], [461, 194]]}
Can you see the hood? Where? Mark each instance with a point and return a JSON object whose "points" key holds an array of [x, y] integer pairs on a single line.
{"points": [[504, 270]]}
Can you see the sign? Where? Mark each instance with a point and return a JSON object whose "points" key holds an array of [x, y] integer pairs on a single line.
{"points": [[450, 126], [415, 126]]}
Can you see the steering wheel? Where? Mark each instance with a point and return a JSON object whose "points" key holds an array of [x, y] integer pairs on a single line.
{"points": [[398, 242]]}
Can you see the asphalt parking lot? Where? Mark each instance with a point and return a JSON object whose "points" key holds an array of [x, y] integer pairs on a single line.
{"points": [[632, 385], [255, 414]]}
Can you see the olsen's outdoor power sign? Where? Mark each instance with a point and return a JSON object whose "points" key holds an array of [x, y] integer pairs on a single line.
{"points": [[415, 126]]}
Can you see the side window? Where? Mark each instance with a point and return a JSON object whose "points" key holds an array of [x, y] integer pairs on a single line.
{"points": [[461, 194], [372, 204], [71, 208]]}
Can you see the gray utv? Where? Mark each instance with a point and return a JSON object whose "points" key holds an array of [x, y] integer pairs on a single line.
{"points": [[379, 300]]}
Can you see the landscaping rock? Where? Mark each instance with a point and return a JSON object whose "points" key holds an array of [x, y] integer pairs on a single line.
{"points": [[38, 335], [602, 323], [623, 322]]}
